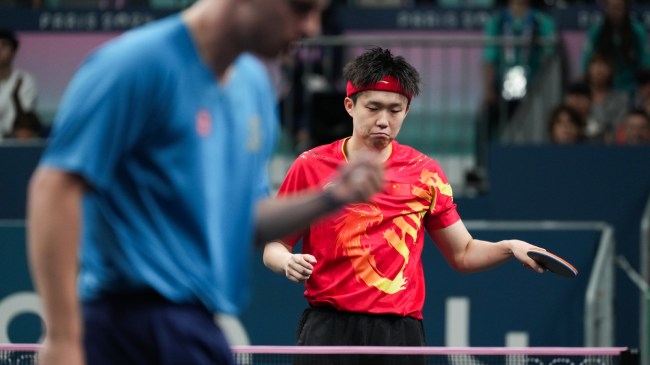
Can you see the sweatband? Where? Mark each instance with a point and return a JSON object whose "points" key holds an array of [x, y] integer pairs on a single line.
{"points": [[387, 83]]}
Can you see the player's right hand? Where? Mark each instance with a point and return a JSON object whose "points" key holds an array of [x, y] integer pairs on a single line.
{"points": [[298, 267]]}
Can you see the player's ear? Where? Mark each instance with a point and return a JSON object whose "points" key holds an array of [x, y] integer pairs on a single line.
{"points": [[349, 105]]}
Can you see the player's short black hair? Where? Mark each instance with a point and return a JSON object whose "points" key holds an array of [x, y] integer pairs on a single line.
{"points": [[9, 35], [376, 63]]}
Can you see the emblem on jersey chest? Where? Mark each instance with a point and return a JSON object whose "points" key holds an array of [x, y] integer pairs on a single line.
{"points": [[203, 123]]}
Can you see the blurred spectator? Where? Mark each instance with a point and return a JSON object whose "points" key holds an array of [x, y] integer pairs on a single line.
{"points": [[9, 79], [608, 105], [27, 125], [510, 66], [509, 69], [316, 88], [566, 126], [578, 96], [622, 37], [634, 129]]}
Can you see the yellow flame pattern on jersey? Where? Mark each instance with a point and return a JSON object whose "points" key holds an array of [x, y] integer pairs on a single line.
{"points": [[361, 218]]}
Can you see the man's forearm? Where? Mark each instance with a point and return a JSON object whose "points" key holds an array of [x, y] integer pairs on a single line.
{"points": [[275, 255], [483, 255], [54, 209], [276, 218]]}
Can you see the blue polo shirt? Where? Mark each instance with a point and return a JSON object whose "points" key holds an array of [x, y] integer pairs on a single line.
{"points": [[176, 161]]}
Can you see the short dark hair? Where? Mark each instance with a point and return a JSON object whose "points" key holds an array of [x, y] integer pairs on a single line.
{"points": [[608, 60], [376, 63], [574, 117], [578, 88], [9, 35]]}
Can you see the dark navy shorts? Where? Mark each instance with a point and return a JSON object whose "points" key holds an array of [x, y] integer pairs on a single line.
{"points": [[144, 328]]}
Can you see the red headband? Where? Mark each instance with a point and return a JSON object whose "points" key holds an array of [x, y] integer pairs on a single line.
{"points": [[387, 83]]}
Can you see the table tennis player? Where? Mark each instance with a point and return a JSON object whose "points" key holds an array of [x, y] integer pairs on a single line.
{"points": [[361, 266]]}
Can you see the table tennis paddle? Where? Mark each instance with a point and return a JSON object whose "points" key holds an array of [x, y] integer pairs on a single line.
{"points": [[553, 263]]}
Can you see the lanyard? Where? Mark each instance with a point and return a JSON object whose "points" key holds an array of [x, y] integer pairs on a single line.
{"points": [[510, 51]]}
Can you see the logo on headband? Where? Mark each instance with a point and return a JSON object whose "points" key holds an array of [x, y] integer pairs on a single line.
{"points": [[387, 83]]}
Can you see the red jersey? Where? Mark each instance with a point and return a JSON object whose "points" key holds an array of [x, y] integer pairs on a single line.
{"points": [[369, 254]]}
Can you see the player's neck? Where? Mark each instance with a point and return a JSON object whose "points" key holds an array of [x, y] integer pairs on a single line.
{"points": [[208, 22], [353, 147]]}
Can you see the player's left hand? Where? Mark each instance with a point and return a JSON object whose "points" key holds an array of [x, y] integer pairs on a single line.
{"points": [[520, 251]]}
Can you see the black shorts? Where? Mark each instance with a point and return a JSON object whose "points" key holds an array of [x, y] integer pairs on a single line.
{"points": [[326, 326]]}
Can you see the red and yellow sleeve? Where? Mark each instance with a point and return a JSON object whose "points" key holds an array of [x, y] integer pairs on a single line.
{"points": [[442, 212]]}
